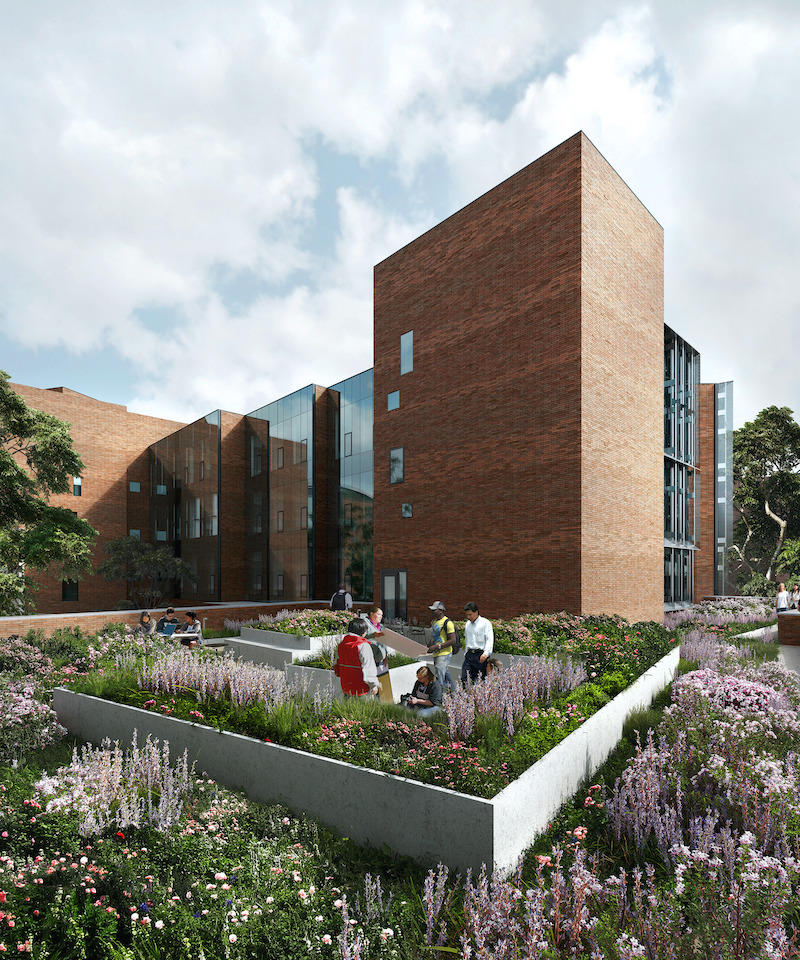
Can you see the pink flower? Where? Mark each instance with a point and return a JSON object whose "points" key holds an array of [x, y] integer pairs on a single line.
{"points": [[326, 938]]}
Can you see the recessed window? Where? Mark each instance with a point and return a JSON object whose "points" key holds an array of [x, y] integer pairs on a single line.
{"points": [[303, 584], [161, 489], [134, 486], [303, 451], [407, 352], [279, 583], [396, 465], [161, 536], [406, 510], [212, 582], [304, 518], [348, 444], [76, 486], [186, 475], [280, 458], [257, 524], [348, 515], [69, 590], [202, 469], [279, 521], [393, 400], [258, 582], [135, 533]]}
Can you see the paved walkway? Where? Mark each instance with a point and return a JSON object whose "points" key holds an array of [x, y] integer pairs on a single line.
{"points": [[790, 657]]}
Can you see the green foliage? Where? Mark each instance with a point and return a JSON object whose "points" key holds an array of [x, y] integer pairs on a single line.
{"points": [[148, 570], [37, 460], [766, 458]]}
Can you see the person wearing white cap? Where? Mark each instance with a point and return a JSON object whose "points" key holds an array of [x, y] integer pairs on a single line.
{"points": [[441, 646]]}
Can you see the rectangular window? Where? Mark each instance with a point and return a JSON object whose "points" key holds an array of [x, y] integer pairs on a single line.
{"points": [[303, 584], [202, 469], [161, 536], [279, 583], [348, 444], [134, 486], [407, 510], [257, 465], [212, 582], [348, 514], [258, 583], [161, 489], [396, 465], [76, 486], [135, 533], [186, 475], [303, 451], [257, 524], [407, 352], [393, 400], [304, 518], [280, 458], [69, 590], [280, 521]]}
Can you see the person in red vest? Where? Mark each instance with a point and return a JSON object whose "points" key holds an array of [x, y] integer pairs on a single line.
{"points": [[355, 663]]}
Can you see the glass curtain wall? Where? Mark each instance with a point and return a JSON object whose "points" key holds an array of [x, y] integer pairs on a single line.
{"points": [[283, 552], [354, 455], [723, 484], [681, 387], [184, 502]]}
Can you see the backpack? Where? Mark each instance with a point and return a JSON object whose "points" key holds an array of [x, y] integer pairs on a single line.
{"points": [[456, 644], [338, 601]]}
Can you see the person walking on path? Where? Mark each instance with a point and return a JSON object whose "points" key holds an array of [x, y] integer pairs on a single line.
{"points": [[478, 642], [341, 600], [355, 664], [441, 645]]}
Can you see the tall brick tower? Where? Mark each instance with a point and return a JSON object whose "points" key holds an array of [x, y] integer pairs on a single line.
{"points": [[519, 351]]}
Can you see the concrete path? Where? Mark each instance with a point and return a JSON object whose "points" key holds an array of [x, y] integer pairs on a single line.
{"points": [[790, 657]]}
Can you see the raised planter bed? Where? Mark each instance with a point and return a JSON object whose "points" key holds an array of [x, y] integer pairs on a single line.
{"points": [[316, 678], [426, 822]]}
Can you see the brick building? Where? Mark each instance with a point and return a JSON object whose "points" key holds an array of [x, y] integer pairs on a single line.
{"points": [[506, 447]]}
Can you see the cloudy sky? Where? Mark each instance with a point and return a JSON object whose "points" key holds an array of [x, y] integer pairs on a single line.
{"points": [[203, 188]]}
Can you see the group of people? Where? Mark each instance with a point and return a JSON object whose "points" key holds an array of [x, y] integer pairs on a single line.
{"points": [[190, 634], [362, 663], [786, 601]]}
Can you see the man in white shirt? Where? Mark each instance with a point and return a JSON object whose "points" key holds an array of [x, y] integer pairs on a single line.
{"points": [[478, 643]]}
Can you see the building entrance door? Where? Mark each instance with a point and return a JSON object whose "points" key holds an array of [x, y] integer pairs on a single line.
{"points": [[394, 594]]}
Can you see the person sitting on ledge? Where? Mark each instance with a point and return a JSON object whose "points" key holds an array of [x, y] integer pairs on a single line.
{"points": [[192, 633], [146, 625], [426, 696], [169, 617]]}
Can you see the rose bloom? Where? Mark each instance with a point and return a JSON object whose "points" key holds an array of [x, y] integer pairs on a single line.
{"points": [[326, 939]]}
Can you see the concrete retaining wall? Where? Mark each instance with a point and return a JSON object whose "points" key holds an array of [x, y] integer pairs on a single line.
{"points": [[429, 823]]}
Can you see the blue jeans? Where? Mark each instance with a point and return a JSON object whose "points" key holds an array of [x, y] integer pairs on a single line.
{"points": [[428, 711], [440, 665]]}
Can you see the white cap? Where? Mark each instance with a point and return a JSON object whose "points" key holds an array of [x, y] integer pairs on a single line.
{"points": [[436, 605]]}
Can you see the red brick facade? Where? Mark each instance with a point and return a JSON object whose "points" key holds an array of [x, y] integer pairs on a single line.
{"points": [[704, 558], [532, 420], [113, 446]]}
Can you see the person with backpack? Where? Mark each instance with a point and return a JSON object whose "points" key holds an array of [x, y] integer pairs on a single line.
{"points": [[444, 643], [341, 600]]}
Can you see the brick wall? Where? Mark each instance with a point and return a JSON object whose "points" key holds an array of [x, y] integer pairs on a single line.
{"points": [[113, 446], [789, 629], [622, 398], [704, 558], [503, 448]]}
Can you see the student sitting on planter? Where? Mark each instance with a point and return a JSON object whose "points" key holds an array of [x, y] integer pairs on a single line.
{"points": [[426, 696], [146, 625], [355, 663], [191, 634]]}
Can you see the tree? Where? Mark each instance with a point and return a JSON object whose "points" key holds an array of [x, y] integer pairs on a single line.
{"points": [[766, 457], [147, 569], [37, 459]]}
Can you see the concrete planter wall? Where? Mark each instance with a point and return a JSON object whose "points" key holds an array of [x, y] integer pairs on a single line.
{"points": [[429, 823]]}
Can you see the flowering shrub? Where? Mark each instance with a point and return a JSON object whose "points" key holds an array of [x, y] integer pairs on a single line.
{"points": [[26, 724]]}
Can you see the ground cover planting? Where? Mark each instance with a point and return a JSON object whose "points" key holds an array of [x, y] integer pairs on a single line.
{"points": [[683, 846]]}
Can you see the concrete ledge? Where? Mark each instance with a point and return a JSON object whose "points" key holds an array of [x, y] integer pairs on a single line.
{"points": [[429, 823]]}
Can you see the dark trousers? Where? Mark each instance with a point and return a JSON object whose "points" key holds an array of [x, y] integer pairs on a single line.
{"points": [[472, 667]]}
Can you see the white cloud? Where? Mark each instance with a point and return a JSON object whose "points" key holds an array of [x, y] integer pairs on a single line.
{"points": [[164, 159]]}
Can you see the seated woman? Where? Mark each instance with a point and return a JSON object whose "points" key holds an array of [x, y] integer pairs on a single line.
{"points": [[146, 625], [426, 697], [191, 633]]}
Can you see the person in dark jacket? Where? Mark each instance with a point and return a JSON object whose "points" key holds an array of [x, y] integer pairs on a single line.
{"points": [[426, 696]]}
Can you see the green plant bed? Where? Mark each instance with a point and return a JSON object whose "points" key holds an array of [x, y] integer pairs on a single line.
{"points": [[324, 660]]}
